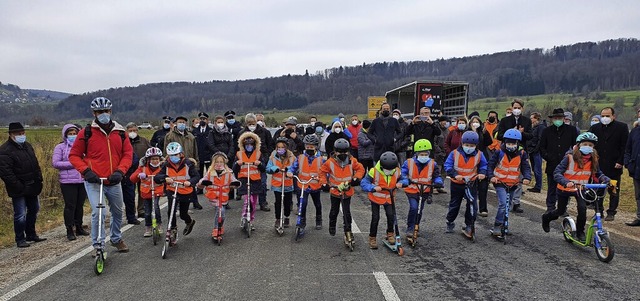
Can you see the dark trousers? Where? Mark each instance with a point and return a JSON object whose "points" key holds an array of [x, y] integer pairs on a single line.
{"points": [[315, 195], [183, 202], [262, 197], [74, 196], [483, 189], [346, 212], [375, 218], [536, 166], [613, 200], [129, 198], [288, 199], [552, 197], [354, 152], [563, 200], [457, 194], [25, 213], [147, 211]]}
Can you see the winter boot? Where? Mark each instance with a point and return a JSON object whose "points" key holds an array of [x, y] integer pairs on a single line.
{"points": [[80, 231], [189, 227], [277, 223], [517, 209], [467, 231], [373, 243], [70, 235], [497, 229], [318, 223], [286, 222], [391, 238], [409, 238], [450, 226], [545, 222]]}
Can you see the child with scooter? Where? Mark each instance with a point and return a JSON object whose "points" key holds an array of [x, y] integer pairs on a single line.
{"points": [[422, 174], [464, 164], [307, 167], [216, 183], [148, 169], [183, 172], [384, 176], [248, 167], [342, 172], [579, 166], [506, 167], [280, 166]]}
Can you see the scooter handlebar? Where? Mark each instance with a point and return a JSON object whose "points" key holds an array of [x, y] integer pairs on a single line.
{"points": [[307, 181]]}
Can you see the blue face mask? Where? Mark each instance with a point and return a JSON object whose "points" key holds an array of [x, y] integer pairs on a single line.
{"points": [[585, 149], [594, 122], [174, 159], [423, 159], [231, 121], [71, 138], [248, 147], [21, 139], [468, 150], [462, 126], [104, 118], [319, 130], [181, 126]]}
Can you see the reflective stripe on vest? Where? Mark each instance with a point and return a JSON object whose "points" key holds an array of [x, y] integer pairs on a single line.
{"points": [[220, 189], [340, 175], [181, 175], [253, 172], [383, 197], [508, 171], [467, 169], [276, 178], [576, 174], [307, 171], [425, 176]]}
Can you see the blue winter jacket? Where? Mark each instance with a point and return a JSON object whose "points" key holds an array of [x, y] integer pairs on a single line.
{"points": [[525, 168], [450, 169]]}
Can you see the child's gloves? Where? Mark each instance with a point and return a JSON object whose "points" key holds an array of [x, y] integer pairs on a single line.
{"points": [[343, 186], [142, 176]]}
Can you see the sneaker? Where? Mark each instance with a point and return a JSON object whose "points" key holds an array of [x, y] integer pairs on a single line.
{"points": [[226, 206], [467, 231], [134, 222], [497, 230], [517, 209], [634, 223], [214, 233], [450, 227], [159, 228], [483, 213], [23, 244], [332, 231], [265, 208], [197, 206], [609, 218], [36, 238], [80, 231], [536, 190], [409, 238], [147, 232], [277, 223], [391, 238], [545, 222], [318, 224], [441, 190], [189, 227], [173, 237], [286, 222], [373, 243], [580, 236], [429, 199], [253, 228], [121, 246]]}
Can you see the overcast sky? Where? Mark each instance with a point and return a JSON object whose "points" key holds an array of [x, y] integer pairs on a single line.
{"points": [[81, 46]]}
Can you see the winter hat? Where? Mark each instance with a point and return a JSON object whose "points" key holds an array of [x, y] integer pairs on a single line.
{"points": [[568, 115], [366, 124], [15, 127], [596, 116], [397, 111], [336, 123], [474, 113]]}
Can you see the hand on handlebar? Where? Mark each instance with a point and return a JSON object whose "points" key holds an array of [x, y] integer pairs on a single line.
{"points": [[481, 177], [459, 178], [570, 185], [168, 180], [377, 188], [494, 180], [526, 182]]}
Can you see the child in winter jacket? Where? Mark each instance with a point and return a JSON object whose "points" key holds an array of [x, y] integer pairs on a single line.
{"points": [[216, 183], [249, 166], [279, 166], [148, 169], [307, 167]]}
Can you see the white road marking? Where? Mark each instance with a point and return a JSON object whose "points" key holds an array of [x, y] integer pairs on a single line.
{"points": [[354, 226], [388, 291], [23, 287]]}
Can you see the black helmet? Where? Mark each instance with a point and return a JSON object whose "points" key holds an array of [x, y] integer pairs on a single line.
{"points": [[284, 140], [311, 139], [388, 160], [341, 145]]}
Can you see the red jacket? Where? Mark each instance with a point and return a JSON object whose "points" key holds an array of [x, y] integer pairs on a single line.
{"points": [[102, 156], [354, 130]]}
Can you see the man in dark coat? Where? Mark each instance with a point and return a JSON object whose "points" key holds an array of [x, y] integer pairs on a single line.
{"points": [[555, 141], [157, 139], [423, 127], [612, 139], [205, 150], [385, 130], [533, 148], [20, 171], [516, 121], [632, 163]]}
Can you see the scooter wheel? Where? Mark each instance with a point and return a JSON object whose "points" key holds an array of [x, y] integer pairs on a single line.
{"points": [[400, 251], [99, 267], [220, 240], [567, 231], [606, 251], [164, 249], [156, 236]]}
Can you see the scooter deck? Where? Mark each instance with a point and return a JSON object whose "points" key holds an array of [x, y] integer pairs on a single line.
{"points": [[393, 247]]}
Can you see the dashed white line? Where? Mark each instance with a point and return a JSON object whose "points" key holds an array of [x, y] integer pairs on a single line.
{"points": [[385, 285]]}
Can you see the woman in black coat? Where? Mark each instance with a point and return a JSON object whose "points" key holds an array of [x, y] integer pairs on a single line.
{"points": [[337, 132]]}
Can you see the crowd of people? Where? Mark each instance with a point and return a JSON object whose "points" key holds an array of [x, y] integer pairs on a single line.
{"points": [[379, 155]]}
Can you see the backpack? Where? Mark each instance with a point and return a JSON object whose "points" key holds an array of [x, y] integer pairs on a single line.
{"points": [[87, 135]]}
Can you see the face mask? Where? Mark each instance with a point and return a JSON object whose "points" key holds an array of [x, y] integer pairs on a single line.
{"points": [[166, 126], [447, 124], [174, 159], [492, 119], [71, 138], [133, 135], [337, 130], [605, 120], [231, 121], [342, 157], [558, 123], [388, 172], [423, 159], [218, 166], [354, 122], [585, 149], [567, 122], [468, 150], [154, 164], [252, 127], [281, 151], [385, 113], [104, 118], [595, 122], [516, 112], [310, 152], [220, 125], [475, 125], [203, 123], [462, 126], [21, 139], [261, 123], [342, 120], [511, 147], [312, 123], [396, 117], [248, 147], [181, 126], [508, 114], [319, 130]]}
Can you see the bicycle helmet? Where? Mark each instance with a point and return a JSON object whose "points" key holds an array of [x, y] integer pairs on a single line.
{"points": [[341, 145], [311, 139], [388, 160], [513, 134], [284, 140], [422, 145], [587, 136], [220, 154], [153, 151], [100, 103], [470, 137], [174, 148]]}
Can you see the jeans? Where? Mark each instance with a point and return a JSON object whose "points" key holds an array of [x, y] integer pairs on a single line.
{"points": [[147, 211], [501, 192], [114, 195], [288, 197], [74, 196], [315, 195], [25, 213], [413, 213], [375, 218], [346, 212], [552, 197], [129, 199], [457, 194], [215, 214], [517, 194], [536, 165]]}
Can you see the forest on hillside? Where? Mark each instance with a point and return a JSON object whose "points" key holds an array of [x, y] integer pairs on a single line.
{"points": [[579, 68]]}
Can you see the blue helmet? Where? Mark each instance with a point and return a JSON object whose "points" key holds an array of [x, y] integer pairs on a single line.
{"points": [[470, 137], [513, 134]]}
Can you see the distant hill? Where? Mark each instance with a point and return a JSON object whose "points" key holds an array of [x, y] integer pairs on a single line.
{"points": [[10, 93], [580, 68], [52, 95]]}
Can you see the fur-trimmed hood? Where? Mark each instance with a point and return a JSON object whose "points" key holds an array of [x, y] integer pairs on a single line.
{"points": [[143, 161], [246, 135]]}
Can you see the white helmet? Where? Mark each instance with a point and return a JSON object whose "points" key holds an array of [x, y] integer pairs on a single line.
{"points": [[174, 148], [100, 103]]}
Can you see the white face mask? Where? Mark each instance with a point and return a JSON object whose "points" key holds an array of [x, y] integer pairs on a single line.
{"points": [[337, 130], [252, 128], [388, 172], [396, 116], [133, 135], [220, 125], [516, 112], [475, 125], [605, 120], [354, 122], [261, 123]]}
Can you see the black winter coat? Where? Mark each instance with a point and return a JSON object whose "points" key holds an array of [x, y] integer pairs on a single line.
{"points": [[205, 150], [158, 138], [331, 139], [222, 142], [554, 144], [423, 130], [385, 130], [533, 144], [267, 144], [612, 139], [632, 153], [19, 169], [510, 123]]}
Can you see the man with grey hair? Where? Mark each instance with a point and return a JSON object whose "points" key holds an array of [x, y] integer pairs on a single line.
{"points": [[267, 145], [140, 145]]}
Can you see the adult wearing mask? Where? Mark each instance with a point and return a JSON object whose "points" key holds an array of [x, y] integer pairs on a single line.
{"points": [[311, 129], [89, 157], [595, 119], [555, 141], [516, 121], [185, 138], [423, 127], [71, 183], [439, 148], [568, 120], [157, 140], [140, 145], [632, 163], [267, 146], [533, 149], [365, 146], [20, 171], [385, 130], [354, 128], [322, 135], [205, 150], [221, 139], [337, 132], [454, 138], [612, 140], [491, 126], [235, 128], [475, 124]]}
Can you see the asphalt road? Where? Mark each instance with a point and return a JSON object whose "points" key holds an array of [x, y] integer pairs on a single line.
{"points": [[533, 265]]}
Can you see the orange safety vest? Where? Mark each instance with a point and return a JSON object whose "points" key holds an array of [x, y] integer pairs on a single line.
{"points": [[253, 173], [276, 178], [180, 175], [495, 144], [467, 169], [308, 170], [220, 189], [508, 171], [424, 177], [383, 197], [576, 174], [145, 185], [340, 175]]}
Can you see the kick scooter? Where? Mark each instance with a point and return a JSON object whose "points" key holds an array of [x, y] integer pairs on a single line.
{"points": [[301, 204], [171, 236], [397, 247], [101, 253]]}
